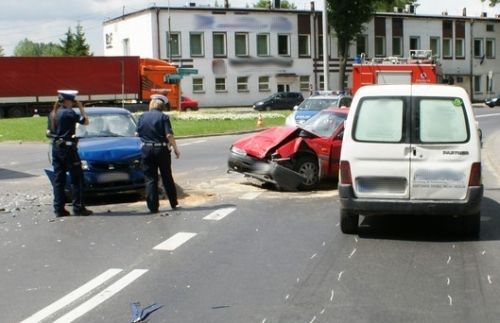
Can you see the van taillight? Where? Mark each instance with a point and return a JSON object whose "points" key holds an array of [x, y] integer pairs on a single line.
{"points": [[345, 172], [475, 175]]}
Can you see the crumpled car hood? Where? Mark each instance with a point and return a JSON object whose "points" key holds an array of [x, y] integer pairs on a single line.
{"points": [[261, 143], [109, 149]]}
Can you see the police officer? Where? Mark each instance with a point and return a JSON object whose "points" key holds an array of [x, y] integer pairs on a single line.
{"points": [[155, 130], [61, 129]]}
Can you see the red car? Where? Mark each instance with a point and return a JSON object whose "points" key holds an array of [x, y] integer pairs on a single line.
{"points": [[293, 157], [188, 104]]}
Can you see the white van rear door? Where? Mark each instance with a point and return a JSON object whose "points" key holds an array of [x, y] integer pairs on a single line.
{"points": [[380, 151], [442, 147]]}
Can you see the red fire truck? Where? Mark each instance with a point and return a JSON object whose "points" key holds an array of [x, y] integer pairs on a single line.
{"points": [[419, 67]]}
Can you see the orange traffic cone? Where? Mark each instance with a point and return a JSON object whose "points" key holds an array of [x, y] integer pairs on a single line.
{"points": [[259, 121]]}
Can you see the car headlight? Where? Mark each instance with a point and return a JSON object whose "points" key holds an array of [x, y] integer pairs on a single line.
{"points": [[238, 151], [85, 165]]}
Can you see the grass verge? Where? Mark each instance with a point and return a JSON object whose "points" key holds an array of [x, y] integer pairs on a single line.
{"points": [[184, 124]]}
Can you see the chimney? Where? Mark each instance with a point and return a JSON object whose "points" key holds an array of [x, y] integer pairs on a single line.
{"points": [[484, 14], [226, 4], [464, 12], [312, 6]]}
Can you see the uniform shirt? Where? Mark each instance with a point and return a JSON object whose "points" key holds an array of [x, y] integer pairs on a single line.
{"points": [[66, 119], [154, 126]]}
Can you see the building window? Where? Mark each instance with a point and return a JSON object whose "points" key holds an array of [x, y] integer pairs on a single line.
{"points": [[478, 47], [304, 46], [447, 49], [490, 48], [434, 46], [220, 84], [241, 44], [397, 46], [460, 48], [242, 83], [362, 44], [262, 44], [379, 46], [173, 44], [284, 45], [320, 45], [414, 42], [322, 83], [219, 43], [126, 47], [304, 81], [196, 44], [264, 83], [490, 27], [477, 84], [198, 84]]}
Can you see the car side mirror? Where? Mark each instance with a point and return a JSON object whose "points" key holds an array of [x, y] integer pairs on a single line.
{"points": [[295, 107]]}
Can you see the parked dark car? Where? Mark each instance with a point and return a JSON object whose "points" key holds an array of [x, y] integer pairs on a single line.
{"points": [[493, 101], [293, 157], [279, 101], [110, 153]]}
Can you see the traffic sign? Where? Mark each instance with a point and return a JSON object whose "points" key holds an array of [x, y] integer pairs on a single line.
{"points": [[187, 71], [173, 77]]}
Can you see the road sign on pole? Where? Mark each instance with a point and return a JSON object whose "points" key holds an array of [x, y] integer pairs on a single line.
{"points": [[187, 71]]}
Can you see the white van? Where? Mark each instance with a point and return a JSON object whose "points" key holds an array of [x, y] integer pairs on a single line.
{"points": [[410, 149]]}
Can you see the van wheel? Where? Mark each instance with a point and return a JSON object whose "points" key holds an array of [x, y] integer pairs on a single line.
{"points": [[471, 225], [307, 166], [349, 222]]}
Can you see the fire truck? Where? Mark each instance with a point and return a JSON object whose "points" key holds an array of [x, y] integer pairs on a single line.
{"points": [[419, 67]]}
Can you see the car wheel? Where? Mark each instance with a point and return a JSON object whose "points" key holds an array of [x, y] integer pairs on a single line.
{"points": [[307, 166], [471, 225], [268, 108], [349, 222]]}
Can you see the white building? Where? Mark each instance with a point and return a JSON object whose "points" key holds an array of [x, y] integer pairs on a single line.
{"points": [[243, 55]]}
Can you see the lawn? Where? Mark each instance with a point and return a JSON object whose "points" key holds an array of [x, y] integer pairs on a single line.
{"points": [[184, 124]]}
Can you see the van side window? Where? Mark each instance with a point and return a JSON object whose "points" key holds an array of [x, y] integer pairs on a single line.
{"points": [[441, 121], [380, 120]]}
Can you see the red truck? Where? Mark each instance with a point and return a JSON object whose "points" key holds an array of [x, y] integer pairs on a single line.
{"points": [[419, 67], [28, 85]]}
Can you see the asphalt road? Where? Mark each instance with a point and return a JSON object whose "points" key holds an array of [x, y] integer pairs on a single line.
{"points": [[237, 252]]}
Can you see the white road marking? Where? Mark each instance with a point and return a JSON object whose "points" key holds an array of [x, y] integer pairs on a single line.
{"points": [[191, 143], [71, 297], [175, 241], [219, 214], [102, 296], [250, 196]]}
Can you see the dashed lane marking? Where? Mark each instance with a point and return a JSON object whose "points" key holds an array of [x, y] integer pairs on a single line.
{"points": [[175, 241], [250, 196], [71, 297], [219, 214], [102, 296]]}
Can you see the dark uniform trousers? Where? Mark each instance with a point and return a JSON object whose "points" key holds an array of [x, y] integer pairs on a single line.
{"points": [[154, 158], [66, 159]]}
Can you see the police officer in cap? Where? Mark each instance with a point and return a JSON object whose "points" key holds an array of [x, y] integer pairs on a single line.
{"points": [[61, 129], [155, 130]]}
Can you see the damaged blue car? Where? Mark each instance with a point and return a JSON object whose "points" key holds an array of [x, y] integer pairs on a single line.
{"points": [[110, 153]]}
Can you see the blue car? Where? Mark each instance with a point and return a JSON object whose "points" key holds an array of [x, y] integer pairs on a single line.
{"points": [[320, 100], [110, 153]]}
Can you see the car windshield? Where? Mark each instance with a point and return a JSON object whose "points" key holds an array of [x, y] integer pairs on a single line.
{"points": [[107, 125], [316, 104], [325, 123]]}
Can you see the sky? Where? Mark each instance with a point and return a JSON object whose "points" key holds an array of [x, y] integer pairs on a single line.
{"points": [[45, 21]]}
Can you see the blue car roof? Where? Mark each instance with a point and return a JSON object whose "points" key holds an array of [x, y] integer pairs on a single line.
{"points": [[102, 110]]}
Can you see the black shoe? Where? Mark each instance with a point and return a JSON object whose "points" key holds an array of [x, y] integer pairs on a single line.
{"points": [[83, 212], [154, 211], [176, 206], [61, 213]]}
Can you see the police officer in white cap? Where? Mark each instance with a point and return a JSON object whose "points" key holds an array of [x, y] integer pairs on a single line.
{"points": [[155, 130], [61, 129]]}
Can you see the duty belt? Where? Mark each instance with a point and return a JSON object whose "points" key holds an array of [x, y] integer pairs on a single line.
{"points": [[155, 144], [62, 142]]}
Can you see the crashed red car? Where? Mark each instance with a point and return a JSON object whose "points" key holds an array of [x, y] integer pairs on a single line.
{"points": [[293, 157]]}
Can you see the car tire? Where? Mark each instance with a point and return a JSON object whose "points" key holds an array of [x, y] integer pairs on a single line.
{"points": [[307, 166], [349, 222], [268, 108], [471, 225]]}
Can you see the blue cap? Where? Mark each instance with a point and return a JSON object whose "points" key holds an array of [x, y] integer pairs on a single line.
{"points": [[159, 97], [67, 94]]}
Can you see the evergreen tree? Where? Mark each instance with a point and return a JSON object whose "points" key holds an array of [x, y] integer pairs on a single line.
{"points": [[284, 4], [1, 51]]}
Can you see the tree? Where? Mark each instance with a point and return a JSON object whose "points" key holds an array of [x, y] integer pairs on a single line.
{"points": [[347, 18], [1, 51], [75, 44], [284, 4], [492, 2]]}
